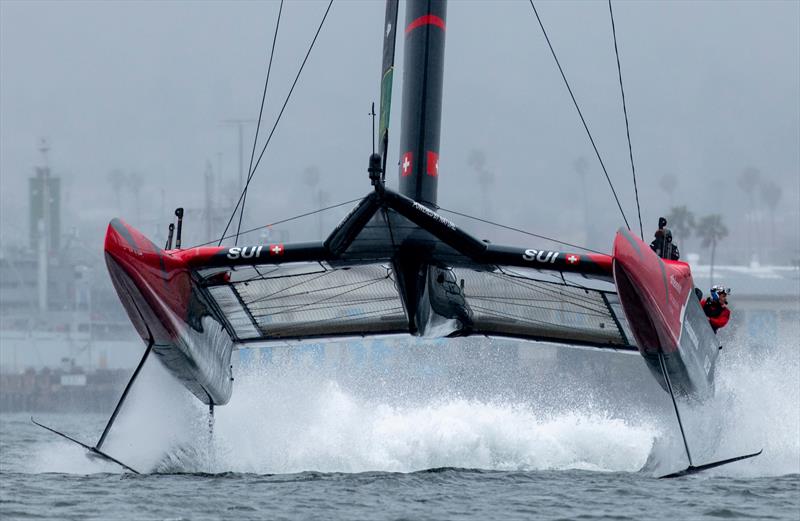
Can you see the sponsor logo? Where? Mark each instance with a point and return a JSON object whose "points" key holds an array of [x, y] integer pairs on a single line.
{"points": [[675, 284], [435, 216], [542, 256], [244, 252]]}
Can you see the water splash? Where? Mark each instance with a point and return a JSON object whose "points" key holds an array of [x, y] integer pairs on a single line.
{"points": [[760, 390], [293, 423], [286, 419]]}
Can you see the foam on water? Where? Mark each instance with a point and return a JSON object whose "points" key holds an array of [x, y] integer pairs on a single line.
{"points": [[328, 429], [283, 421]]}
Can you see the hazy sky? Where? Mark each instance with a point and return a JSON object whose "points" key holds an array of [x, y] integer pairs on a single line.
{"points": [[712, 88]]}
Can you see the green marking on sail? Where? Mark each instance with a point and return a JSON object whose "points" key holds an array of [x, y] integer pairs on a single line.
{"points": [[386, 102]]}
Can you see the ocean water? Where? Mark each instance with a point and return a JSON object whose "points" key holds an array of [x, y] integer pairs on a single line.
{"points": [[301, 442]]}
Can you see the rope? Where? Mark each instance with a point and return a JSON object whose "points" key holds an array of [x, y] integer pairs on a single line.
{"points": [[282, 221], [277, 120], [583, 120], [258, 125], [521, 231], [627, 127]]}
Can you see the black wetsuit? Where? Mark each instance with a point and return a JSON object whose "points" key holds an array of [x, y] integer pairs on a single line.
{"points": [[663, 248]]}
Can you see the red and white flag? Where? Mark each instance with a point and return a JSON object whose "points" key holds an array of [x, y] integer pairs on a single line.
{"points": [[406, 165], [276, 249], [433, 163], [573, 259]]}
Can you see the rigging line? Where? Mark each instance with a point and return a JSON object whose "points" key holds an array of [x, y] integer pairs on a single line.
{"points": [[287, 288], [520, 231], [260, 113], [546, 285], [273, 311], [559, 278], [587, 305], [272, 279], [310, 292], [493, 312], [282, 221], [355, 317], [515, 303], [257, 278], [560, 294], [300, 306], [627, 127], [277, 120], [307, 292], [577, 301], [269, 309], [583, 120]]}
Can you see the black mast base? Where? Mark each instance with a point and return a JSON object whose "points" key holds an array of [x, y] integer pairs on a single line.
{"points": [[691, 469]]}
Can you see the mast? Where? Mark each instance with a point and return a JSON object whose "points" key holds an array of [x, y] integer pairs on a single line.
{"points": [[423, 75]]}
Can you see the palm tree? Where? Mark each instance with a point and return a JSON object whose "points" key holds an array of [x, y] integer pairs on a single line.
{"points": [[748, 180], [711, 230], [135, 182], [771, 195], [668, 183], [117, 179], [681, 220]]}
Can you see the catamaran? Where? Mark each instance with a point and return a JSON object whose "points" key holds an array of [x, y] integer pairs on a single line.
{"points": [[394, 265]]}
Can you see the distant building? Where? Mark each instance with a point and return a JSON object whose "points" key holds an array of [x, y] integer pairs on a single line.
{"points": [[55, 299], [39, 185]]}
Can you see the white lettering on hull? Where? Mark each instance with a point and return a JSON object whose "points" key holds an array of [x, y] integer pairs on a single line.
{"points": [[244, 252], [543, 256]]}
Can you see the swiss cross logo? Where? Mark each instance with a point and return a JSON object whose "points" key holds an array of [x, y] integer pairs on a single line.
{"points": [[276, 249], [573, 259], [405, 164], [433, 163]]}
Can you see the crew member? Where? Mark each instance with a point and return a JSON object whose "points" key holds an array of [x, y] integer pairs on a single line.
{"points": [[662, 244], [716, 307]]}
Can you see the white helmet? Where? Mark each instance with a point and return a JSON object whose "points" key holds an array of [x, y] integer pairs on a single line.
{"points": [[719, 288]]}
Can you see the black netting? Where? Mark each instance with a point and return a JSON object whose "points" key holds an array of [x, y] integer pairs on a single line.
{"points": [[520, 303], [304, 300], [313, 300]]}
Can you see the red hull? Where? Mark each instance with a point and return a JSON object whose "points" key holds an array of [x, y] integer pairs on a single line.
{"points": [[156, 288], [665, 317]]}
